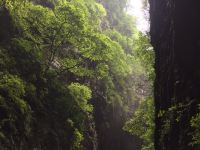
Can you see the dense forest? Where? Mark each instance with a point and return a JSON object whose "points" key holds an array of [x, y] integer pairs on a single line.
{"points": [[80, 75], [74, 75]]}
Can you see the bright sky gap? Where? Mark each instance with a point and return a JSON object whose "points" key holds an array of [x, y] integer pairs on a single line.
{"points": [[136, 10]]}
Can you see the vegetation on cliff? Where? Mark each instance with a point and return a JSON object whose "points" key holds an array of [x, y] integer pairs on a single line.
{"points": [[71, 74]]}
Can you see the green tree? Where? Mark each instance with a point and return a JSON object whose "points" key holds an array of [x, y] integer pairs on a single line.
{"points": [[60, 61], [142, 123]]}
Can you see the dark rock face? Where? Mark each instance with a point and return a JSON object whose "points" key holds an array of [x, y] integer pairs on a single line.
{"points": [[175, 34], [109, 124]]}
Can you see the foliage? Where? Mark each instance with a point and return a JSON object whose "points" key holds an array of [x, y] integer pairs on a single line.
{"points": [[78, 137], [81, 95], [195, 122], [117, 18], [142, 123], [145, 54], [58, 60], [14, 109]]}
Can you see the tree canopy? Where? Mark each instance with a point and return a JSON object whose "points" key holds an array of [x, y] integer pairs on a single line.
{"points": [[69, 73]]}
